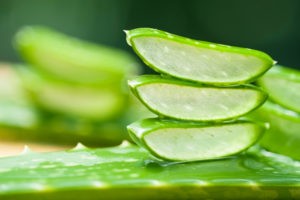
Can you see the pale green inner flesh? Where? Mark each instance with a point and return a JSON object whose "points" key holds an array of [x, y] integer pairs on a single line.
{"points": [[283, 136], [196, 103], [201, 143], [100, 103], [283, 91], [196, 63], [67, 65]]}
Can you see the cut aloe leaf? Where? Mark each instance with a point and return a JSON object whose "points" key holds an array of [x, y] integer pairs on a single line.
{"points": [[21, 120], [97, 103], [71, 59], [199, 61], [283, 86], [60, 131], [129, 173], [25, 123], [187, 141], [283, 136], [187, 101]]}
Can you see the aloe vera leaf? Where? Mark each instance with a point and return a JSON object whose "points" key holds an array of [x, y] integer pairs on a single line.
{"points": [[129, 173], [283, 86], [187, 141], [188, 101], [71, 59], [96, 103], [199, 61], [283, 136]]}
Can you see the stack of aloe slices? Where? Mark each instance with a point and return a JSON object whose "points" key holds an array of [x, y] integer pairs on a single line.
{"points": [[202, 93], [282, 111], [73, 77], [68, 90]]}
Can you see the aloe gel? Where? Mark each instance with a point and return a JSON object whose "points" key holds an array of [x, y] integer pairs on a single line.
{"points": [[188, 141], [71, 59], [188, 101], [199, 61]]}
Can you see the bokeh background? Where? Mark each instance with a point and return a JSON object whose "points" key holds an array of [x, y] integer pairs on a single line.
{"points": [[272, 26]]}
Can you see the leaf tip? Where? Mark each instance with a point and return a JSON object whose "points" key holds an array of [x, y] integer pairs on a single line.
{"points": [[125, 143], [26, 150], [127, 37], [126, 31], [79, 146]]}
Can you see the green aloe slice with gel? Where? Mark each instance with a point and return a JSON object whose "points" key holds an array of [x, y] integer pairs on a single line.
{"points": [[284, 134], [188, 141], [283, 86], [99, 103], [188, 101], [130, 173], [199, 61], [71, 59]]}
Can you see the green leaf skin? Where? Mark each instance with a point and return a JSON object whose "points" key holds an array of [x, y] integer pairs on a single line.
{"points": [[95, 103], [283, 136], [183, 100], [283, 86], [199, 61], [129, 173], [188, 141], [71, 59]]}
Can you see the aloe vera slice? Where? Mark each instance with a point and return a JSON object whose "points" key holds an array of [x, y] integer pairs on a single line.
{"points": [[71, 59], [25, 123], [199, 61], [20, 122], [97, 103], [187, 101], [283, 86], [128, 173], [187, 141], [283, 136]]}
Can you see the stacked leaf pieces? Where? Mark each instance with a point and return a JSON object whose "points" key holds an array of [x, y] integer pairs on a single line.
{"points": [[202, 93], [282, 111]]}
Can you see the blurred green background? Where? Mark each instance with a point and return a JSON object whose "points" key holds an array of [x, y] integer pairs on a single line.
{"points": [[268, 25]]}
